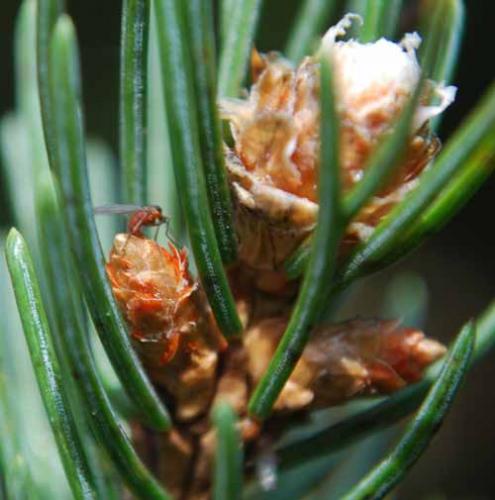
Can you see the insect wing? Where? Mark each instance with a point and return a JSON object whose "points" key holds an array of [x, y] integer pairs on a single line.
{"points": [[117, 209]]}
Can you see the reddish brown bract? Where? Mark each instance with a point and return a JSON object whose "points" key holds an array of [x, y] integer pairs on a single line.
{"points": [[152, 286], [171, 325]]}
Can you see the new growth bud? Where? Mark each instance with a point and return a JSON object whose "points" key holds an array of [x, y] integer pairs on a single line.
{"points": [[274, 162]]}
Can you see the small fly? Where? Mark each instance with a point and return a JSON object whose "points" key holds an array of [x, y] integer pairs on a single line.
{"points": [[140, 217]]}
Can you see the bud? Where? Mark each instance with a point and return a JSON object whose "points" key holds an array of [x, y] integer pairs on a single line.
{"points": [[343, 361], [274, 162], [172, 327]]}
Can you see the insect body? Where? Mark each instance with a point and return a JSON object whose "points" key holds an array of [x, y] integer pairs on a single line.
{"points": [[140, 216], [147, 216]]}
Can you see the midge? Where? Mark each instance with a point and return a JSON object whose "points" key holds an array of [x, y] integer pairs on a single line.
{"points": [[140, 216]]}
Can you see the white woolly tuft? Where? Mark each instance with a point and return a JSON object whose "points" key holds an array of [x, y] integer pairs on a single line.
{"points": [[376, 79]]}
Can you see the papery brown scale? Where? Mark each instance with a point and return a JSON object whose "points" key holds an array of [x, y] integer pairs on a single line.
{"points": [[342, 361]]}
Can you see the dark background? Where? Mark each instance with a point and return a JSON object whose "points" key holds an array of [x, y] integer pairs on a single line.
{"points": [[458, 264]]}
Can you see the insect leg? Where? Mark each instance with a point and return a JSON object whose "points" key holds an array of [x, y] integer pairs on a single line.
{"points": [[168, 233], [156, 232]]}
